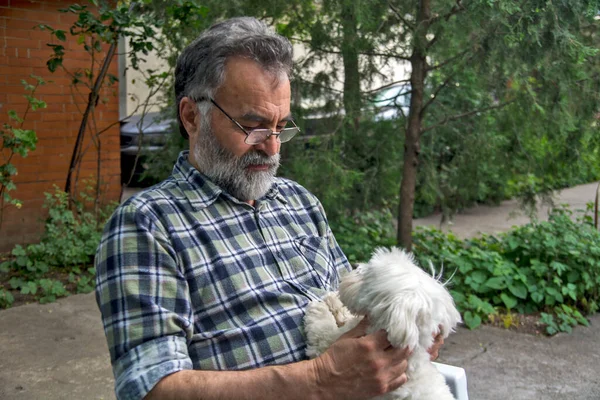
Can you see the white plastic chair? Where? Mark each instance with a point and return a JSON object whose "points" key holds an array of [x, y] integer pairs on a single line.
{"points": [[456, 379]]}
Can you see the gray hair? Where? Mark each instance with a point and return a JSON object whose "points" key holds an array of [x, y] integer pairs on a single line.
{"points": [[200, 69]]}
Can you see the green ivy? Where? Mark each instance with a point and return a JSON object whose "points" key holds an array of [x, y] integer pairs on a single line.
{"points": [[550, 267]]}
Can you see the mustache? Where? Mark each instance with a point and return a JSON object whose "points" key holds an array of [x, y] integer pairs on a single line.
{"points": [[258, 157]]}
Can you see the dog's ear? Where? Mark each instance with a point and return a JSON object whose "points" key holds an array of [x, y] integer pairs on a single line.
{"points": [[404, 321], [446, 315]]}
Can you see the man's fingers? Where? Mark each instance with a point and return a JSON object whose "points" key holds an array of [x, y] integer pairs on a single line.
{"points": [[381, 339], [359, 330], [433, 351], [398, 354], [399, 381]]}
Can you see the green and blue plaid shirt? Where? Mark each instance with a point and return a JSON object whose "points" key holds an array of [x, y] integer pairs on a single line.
{"points": [[190, 278]]}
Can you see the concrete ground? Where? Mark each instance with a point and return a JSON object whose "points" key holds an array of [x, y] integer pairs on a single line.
{"points": [[58, 351]]}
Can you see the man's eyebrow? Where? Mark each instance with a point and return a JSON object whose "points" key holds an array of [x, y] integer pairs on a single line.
{"points": [[250, 116]]}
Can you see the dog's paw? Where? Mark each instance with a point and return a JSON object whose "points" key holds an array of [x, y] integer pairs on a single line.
{"points": [[319, 327]]}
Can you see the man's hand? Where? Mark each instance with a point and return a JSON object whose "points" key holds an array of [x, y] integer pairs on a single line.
{"points": [[359, 366], [434, 350]]}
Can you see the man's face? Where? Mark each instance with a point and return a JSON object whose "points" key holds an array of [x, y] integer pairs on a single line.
{"points": [[255, 99]]}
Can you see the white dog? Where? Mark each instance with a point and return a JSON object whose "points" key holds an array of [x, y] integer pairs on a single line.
{"points": [[399, 297]]}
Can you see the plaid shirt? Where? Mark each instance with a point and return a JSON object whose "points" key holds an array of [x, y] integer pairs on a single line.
{"points": [[190, 278]]}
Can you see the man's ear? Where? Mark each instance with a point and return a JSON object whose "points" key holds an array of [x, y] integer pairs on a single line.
{"points": [[188, 112]]}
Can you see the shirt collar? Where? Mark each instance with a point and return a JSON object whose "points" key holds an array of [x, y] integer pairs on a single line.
{"points": [[201, 192]]}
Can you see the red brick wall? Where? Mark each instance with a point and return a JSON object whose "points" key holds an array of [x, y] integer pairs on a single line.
{"points": [[23, 51]]}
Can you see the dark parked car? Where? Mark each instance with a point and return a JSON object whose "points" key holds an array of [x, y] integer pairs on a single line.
{"points": [[142, 135]]}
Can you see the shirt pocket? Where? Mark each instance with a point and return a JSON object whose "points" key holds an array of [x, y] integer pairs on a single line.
{"points": [[314, 261]]}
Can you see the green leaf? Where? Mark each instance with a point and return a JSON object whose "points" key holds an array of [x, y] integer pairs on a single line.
{"points": [[497, 283], [537, 297], [60, 35], [479, 276], [509, 301], [53, 64], [471, 320], [5, 266], [12, 114], [518, 289]]}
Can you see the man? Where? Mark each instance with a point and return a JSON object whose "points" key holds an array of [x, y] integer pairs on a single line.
{"points": [[203, 279]]}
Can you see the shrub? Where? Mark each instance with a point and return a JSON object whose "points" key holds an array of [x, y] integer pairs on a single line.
{"points": [[72, 234], [359, 235], [549, 267]]}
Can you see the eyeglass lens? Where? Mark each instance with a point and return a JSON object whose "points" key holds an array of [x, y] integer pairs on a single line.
{"points": [[260, 135]]}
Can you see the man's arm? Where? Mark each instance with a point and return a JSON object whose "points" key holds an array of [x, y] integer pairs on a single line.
{"points": [[356, 366]]}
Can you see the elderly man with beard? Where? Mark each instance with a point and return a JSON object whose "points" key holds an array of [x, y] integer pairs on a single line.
{"points": [[203, 279]]}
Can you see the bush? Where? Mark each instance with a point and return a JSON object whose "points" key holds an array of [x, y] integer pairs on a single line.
{"points": [[71, 236], [359, 235], [549, 267]]}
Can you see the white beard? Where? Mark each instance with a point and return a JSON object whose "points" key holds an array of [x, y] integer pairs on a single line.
{"points": [[229, 172], [400, 298]]}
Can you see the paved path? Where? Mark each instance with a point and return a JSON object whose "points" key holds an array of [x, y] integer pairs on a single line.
{"points": [[496, 219], [57, 351]]}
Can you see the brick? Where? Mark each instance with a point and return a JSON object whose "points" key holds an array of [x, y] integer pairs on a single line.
{"points": [[33, 15], [76, 64], [18, 24], [44, 36], [51, 117], [22, 43], [54, 108], [56, 5], [56, 126], [16, 99], [41, 54], [53, 176], [15, 74], [19, 62], [15, 33], [25, 4]]}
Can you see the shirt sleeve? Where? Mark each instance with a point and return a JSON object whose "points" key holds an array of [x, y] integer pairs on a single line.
{"points": [[144, 301]]}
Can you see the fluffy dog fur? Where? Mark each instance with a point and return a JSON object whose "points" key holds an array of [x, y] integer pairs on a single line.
{"points": [[399, 297]]}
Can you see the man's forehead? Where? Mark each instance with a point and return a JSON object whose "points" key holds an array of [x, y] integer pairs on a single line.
{"points": [[241, 73], [253, 93], [257, 117]]}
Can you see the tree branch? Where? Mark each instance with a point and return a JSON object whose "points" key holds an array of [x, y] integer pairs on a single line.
{"points": [[448, 61], [387, 55], [306, 81], [463, 115], [408, 24], [386, 86], [457, 8], [437, 91]]}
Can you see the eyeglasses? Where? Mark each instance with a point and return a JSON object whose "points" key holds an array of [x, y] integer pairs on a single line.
{"points": [[258, 136]]}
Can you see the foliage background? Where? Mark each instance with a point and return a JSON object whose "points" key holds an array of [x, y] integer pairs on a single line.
{"points": [[511, 94]]}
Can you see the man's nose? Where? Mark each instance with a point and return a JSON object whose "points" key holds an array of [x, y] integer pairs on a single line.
{"points": [[269, 146]]}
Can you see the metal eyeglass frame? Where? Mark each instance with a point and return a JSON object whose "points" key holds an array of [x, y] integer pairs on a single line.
{"points": [[288, 133]]}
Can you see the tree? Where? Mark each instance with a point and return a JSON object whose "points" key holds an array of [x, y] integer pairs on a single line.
{"points": [[98, 29], [452, 36], [485, 76]]}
